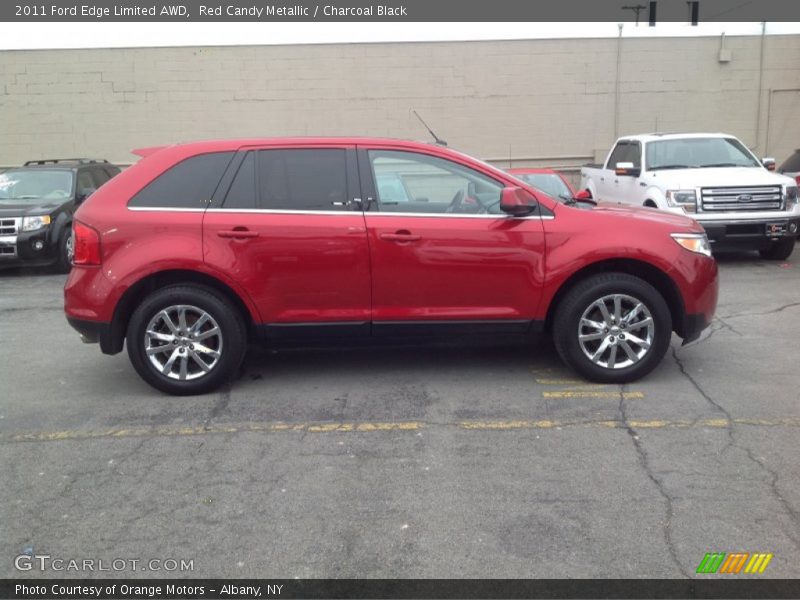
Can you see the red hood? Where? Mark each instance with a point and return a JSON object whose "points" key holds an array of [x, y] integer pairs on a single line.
{"points": [[649, 214]]}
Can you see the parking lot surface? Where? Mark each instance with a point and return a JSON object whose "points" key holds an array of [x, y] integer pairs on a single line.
{"points": [[407, 462]]}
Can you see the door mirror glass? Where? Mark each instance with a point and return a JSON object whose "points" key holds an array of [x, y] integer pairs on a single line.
{"points": [[769, 163], [517, 202], [84, 193]]}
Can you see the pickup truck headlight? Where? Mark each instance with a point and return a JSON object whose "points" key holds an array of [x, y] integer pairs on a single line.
{"points": [[694, 242], [791, 196], [34, 223], [685, 199]]}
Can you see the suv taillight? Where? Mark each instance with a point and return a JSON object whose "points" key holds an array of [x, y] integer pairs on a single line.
{"points": [[87, 245]]}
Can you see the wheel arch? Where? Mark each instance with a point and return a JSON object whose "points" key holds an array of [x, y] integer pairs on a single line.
{"points": [[160, 279], [662, 282]]}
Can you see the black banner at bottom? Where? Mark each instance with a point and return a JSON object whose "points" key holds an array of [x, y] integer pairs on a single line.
{"points": [[247, 589]]}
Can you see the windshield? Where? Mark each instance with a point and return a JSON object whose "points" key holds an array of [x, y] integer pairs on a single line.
{"points": [[35, 184], [691, 153], [550, 183]]}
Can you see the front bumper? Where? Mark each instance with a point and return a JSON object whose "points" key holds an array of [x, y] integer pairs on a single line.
{"points": [[33, 248], [749, 233]]}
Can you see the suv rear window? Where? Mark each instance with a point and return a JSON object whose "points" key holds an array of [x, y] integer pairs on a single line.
{"points": [[303, 179], [189, 184]]}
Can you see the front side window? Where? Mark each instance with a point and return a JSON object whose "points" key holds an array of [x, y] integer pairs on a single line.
{"points": [[688, 153], [303, 179], [34, 185], [189, 184], [618, 155], [408, 182]]}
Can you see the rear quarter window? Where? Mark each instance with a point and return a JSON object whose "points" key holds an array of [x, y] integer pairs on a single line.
{"points": [[188, 184]]}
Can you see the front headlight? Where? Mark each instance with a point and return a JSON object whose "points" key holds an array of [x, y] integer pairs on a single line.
{"points": [[34, 223], [685, 199], [693, 242], [791, 196]]}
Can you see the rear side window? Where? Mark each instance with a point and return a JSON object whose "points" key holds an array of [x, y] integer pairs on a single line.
{"points": [[302, 179], [189, 184]]}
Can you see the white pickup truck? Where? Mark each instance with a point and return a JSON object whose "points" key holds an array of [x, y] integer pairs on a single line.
{"points": [[712, 177]]}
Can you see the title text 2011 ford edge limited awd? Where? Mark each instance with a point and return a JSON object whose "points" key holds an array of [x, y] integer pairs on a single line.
{"points": [[200, 248]]}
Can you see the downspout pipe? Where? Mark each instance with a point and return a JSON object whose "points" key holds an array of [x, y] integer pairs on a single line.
{"points": [[760, 84]]}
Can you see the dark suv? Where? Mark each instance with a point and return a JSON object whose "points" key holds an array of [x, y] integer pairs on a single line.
{"points": [[37, 202]]}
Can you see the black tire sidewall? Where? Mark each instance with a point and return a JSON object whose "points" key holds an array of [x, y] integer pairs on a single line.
{"points": [[581, 296], [226, 315], [780, 250], [63, 263]]}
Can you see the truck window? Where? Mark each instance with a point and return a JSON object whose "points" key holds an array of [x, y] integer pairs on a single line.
{"points": [[618, 155]]}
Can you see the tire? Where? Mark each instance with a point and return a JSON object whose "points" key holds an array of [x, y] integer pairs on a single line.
{"points": [[223, 350], [65, 250], [779, 250], [583, 300]]}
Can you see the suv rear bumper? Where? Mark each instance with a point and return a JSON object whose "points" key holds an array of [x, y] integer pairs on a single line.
{"points": [[749, 234], [93, 332]]}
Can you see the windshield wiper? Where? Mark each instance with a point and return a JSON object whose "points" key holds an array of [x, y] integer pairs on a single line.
{"points": [[664, 167], [568, 200], [721, 165]]}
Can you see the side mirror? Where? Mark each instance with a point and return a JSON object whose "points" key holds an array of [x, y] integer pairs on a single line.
{"points": [[84, 193], [517, 202], [583, 195], [626, 169], [769, 163]]}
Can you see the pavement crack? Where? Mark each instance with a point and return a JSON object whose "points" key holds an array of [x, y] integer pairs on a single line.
{"points": [[761, 314], [223, 399], [717, 407], [644, 462]]}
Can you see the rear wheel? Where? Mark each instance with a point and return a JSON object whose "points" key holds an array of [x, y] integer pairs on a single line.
{"points": [[780, 250], [612, 328], [186, 340]]}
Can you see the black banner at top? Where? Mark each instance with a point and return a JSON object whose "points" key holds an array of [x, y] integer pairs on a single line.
{"points": [[399, 10]]}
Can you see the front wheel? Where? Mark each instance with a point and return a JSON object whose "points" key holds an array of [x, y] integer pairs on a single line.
{"points": [[66, 250], [612, 328], [186, 340], [779, 250]]}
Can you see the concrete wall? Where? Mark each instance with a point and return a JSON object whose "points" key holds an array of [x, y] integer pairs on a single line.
{"points": [[551, 100]]}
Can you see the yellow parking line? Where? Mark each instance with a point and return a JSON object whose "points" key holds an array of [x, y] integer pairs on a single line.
{"points": [[369, 426], [556, 381], [593, 394]]}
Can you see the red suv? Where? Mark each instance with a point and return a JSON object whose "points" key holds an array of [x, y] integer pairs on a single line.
{"points": [[200, 248]]}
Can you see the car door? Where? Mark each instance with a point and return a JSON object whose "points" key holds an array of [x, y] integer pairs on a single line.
{"points": [[608, 189], [445, 258], [289, 229]]}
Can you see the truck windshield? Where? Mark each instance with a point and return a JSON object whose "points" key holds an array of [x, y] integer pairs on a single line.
{"points": [[695, 153], [35, 184]]}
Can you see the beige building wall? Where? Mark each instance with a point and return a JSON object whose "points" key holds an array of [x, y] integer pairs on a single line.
{"points": [[548, 102]]}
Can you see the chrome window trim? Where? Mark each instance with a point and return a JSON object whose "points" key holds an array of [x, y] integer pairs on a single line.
{"points": [[335, 213]]}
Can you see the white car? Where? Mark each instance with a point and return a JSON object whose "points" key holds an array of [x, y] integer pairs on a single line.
{"points": [[712, 177]]}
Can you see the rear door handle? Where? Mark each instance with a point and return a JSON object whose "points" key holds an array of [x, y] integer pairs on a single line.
{"points": [[237, 233], [400, 236]]}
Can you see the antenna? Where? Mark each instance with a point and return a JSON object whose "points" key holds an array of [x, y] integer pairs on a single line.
{"points": [[436, 138]]}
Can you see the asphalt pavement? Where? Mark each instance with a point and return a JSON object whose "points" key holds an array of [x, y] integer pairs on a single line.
{"points": [[491, 461]]}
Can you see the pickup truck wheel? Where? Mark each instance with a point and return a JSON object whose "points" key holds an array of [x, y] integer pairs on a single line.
{"points": [[66, 249], [612, 328], [779, 250], [186, 340]]}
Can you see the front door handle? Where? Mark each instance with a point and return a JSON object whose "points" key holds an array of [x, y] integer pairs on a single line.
{"points": [[237, 233], [400, 236]]}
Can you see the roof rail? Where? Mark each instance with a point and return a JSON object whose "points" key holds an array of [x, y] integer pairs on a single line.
{"points": [[82, 161]]}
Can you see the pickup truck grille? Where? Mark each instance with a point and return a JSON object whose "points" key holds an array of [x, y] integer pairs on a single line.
{"points": [[739, 199], [9, 226]]}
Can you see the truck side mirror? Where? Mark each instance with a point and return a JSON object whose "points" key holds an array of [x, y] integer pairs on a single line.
{"points": [[769, 163], [626, 169]]}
